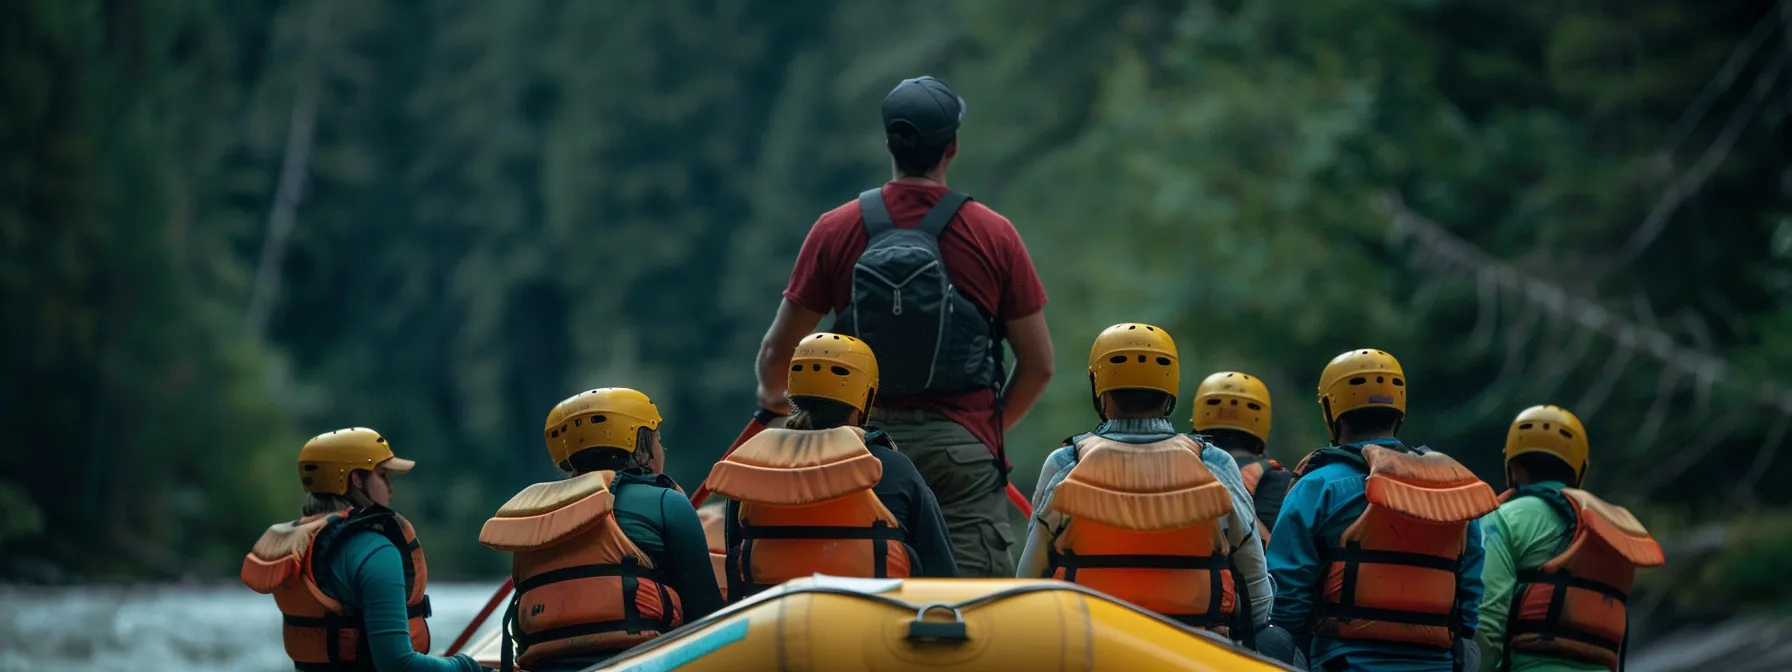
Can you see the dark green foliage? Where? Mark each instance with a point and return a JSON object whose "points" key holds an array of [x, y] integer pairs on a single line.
{"points": [[509, 202]]}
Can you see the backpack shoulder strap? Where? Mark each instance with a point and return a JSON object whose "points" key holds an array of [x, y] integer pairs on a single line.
{"points": [[941, 214], [876, 215]]}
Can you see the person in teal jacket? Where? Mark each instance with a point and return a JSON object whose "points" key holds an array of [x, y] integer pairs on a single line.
{"points": [[365, 561], [366, 572], [581, 601], [1546, 456], [1362, 394]]}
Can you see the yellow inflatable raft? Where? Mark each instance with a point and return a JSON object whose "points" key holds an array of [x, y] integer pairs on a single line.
{"points": [[828, 623]]}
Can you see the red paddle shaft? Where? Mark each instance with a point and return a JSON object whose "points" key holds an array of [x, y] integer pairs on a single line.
{"points": [[761, 420]]}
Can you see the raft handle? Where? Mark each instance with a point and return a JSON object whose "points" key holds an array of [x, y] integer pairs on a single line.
{"points": [[921, 629]]}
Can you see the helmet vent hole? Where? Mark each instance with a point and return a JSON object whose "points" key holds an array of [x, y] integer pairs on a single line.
{"points": [[379, 439], [1526, 426], [1150, 329], [1163, 361], [1358, 380], [1141, 359], [836, 338], [1399, 383], [1254, 406], [798, 367], [1380, 379], [1131, 327], [554, 434], [1213, 402], [814, 367], [310, 467], [577, 421], [1229, 375], [839, 370], [1117, 359], [1565, 433], [1234, 402]]}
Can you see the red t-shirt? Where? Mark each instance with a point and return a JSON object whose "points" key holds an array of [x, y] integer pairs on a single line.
{"points": [[984, 258]]}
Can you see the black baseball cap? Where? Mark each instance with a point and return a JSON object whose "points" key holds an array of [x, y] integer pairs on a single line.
{"points": [[922, 110]]}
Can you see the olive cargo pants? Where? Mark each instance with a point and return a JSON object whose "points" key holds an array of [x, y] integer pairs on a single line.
{"points": [[964, 477]]}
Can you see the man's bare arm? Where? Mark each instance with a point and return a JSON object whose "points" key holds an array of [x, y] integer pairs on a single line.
{"points": [[788, 328], [1032, 343]]}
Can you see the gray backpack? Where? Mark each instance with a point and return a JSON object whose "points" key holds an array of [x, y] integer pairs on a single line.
{"points": [[928, 338]]}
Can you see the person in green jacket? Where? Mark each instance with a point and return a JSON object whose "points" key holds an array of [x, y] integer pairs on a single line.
{"points": [[362, 605], [1557, 558], [611, 557]]}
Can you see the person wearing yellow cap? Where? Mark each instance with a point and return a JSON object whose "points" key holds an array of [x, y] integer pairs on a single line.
{"points": [[826, 493], [1196, 558], [1377, 554], [613, 555], [1560, 561], [349, 575], [1232, 411]]}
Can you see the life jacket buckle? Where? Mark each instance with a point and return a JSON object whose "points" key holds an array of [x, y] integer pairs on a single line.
{"points": [[921, 629]]}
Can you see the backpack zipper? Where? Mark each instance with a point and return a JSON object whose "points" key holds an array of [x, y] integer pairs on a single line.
{"points": [[939, 337], [896, 307]]}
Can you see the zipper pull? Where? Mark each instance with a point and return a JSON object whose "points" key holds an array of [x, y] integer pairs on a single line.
{"points": [[897, 308]]}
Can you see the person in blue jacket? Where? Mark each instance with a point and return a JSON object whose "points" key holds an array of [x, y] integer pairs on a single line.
{"points": [[1360, 585]]}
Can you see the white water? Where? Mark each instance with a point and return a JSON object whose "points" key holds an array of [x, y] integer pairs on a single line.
{"points": [[227, 628], [221, 628]]}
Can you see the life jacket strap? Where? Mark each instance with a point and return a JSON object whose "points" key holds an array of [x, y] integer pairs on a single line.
{"points": [[1388, 615], [1072, 561], [879, 533], [1558, 631], [1353, 556], [1564, 581], [627, 568]]}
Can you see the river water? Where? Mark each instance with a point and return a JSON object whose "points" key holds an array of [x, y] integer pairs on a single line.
{"points": [[216, 628], [226, 628]]}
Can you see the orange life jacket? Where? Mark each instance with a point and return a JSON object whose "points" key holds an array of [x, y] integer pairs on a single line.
{"points": [[715, 533], [1253, 469], [1145, 527], [1393, 576], [581, 586], [1573, 606], [806, 506], [320, 632]]}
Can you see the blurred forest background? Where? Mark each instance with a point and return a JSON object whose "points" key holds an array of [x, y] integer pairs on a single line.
{"points": [[228, 226]]}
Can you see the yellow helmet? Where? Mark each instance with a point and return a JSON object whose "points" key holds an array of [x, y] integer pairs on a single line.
{"points": [[609, 417], [1549, 429], [327, 459], [833, 366], [1134, 356], [1360, 379], [1232, 400]]}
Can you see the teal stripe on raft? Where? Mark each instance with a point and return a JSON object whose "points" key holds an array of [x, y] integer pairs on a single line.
{"points": [[705, 645]]}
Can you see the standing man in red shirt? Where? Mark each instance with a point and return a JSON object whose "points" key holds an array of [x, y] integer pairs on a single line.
{"points": [[935, 283]]}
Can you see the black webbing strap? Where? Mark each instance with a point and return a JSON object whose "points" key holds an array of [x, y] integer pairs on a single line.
{"points": [[1563, 581], [941, 214], [877, 216], [1353, 555], [629, 567], [529, 639], [878, 530], [880, 534]]}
